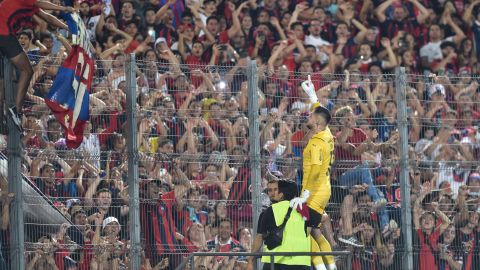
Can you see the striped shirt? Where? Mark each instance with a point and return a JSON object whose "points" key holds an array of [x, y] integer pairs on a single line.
{"points": [[158, 227]]}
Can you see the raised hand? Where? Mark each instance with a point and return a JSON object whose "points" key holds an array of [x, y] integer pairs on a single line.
{"points": [[386, 43], [342, 40], [194, 5], [301, 7], [309, 88], [111, 27], [335, 84], [63, 230], [274, 21], [283, 44], [231, 6], [98, 218], [427, 187], [374, 135]]}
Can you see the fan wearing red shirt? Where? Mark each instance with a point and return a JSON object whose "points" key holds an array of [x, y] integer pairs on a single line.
{"points": [[194, 239], [427, 233], [15, 15], [193, 59], [157, 221], [224, 242]]}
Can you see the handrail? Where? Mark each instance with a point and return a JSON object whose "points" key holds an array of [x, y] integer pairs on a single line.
{"points": [[261, 254]]}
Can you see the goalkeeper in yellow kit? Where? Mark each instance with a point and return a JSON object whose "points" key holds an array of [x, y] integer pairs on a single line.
{"points": [[318, 157]]}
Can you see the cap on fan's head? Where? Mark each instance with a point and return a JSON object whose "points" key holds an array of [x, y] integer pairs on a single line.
{"points": [[109, 220], [160, 40], [324, 111]]}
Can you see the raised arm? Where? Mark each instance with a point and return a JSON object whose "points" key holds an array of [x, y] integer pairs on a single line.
{"points": [[64, 42], [275, 55], [423, 11], [236, 27], [360, 36], [161, 12], [417, 206], [459, 34], [299, 45], [392, 60], [364, 10], [380, 11], [115, 30], [105, 54], [181, 46], [50, 6], [183, 110], [199, 23], [210, 132], [274, 21], [467, 16], [92, 189], [445, 220], [298, 8], [52, 20], [101, 24]]}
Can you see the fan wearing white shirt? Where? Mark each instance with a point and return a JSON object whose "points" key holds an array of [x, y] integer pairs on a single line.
{"points": [[432, 51], [314, 38], [94, 24], [91, 145]]}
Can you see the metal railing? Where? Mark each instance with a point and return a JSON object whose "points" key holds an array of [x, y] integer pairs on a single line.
{"points": [[189, 261]]}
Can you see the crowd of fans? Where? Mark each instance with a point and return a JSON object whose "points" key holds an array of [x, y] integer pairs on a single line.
{"points": [[192, 92]]}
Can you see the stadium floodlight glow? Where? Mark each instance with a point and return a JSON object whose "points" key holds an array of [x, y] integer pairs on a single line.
{"points": [[221, 85]]}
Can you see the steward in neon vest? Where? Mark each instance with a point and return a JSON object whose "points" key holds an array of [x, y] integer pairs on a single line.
{"points": [[295, 237]]}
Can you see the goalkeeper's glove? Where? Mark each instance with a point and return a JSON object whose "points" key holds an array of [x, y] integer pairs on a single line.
{"points": [[309, 88], [299, 201]]}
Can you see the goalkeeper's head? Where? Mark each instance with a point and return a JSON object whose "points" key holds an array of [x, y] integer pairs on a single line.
{"points": [[321, 115]]}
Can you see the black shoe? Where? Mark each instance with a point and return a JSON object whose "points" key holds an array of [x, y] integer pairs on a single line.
{"points": [[351, 241], [16, 118]]}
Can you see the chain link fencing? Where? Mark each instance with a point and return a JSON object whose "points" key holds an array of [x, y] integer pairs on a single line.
{"points": [[193, 139], [443, 154]]}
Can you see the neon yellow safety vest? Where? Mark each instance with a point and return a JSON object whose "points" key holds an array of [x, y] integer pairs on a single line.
{"points": [[294, 237]]}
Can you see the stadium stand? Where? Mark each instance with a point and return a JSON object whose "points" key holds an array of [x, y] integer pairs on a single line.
{"points": [[193, 126]]}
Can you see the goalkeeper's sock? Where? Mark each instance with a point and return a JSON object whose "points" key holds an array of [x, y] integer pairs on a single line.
{"points": [[317, 260], [325, 247]]}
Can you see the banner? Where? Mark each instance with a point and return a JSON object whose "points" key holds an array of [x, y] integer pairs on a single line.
{"points": [[69, 95]]}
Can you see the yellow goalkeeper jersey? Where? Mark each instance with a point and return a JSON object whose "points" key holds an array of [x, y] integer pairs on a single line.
{"points": [[318, 158]]}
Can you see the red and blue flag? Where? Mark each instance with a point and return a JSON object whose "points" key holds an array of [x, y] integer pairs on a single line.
{"points": [[69, 95]]}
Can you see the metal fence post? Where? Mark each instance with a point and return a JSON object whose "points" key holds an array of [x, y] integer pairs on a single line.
{"points": [[17, 233], [401, 90], [254, 142], [132, 152]]}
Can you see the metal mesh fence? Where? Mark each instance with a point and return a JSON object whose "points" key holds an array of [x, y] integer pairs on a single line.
{"points": [[76, 207], [194, 167], [193, 141], [443, 145], [194, 173], [363, 212]]}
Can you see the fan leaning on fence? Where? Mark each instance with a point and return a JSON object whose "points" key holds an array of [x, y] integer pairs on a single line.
{"points": [[16, 14], [318, 157]]}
